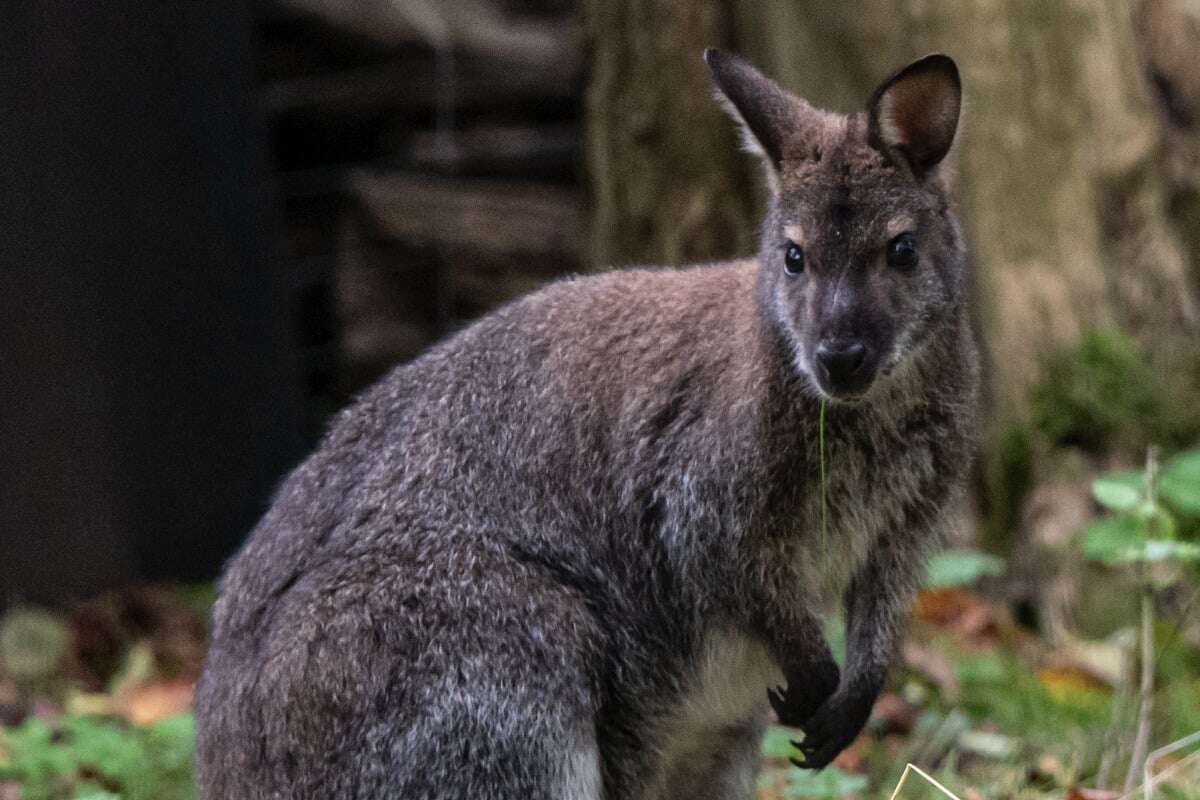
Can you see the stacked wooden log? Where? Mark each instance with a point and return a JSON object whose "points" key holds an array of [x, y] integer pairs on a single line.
{"points": [[429, 155]]}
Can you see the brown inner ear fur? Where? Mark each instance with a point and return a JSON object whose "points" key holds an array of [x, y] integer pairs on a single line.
{"points": [[914, 114]]}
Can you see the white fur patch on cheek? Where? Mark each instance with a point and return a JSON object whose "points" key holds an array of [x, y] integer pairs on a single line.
{"points": [[803, 364]]}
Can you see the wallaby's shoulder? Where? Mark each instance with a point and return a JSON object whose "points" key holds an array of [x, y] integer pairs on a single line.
{"points": [[608, 323]]}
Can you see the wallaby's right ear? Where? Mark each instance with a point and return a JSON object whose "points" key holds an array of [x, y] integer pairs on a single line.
{"points": [[913, 115], [771, 118]]}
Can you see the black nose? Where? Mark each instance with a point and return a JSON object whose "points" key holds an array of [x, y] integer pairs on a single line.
{"points": [[841, 360]]}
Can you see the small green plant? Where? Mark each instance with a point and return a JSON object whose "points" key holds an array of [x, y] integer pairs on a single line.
{"points": [[1148, 512], [1152, 515], [961, 567]]}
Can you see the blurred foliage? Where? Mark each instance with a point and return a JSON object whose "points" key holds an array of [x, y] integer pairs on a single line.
{"points": [[95, 700], [1089, 394], [961, 567], [32, 644], [1104, 398], [997, 687], [97, 757], [1009, 479], [1178, 667], [1105, 393]]}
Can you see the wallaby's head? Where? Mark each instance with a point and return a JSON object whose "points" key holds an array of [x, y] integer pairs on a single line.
{"points": [[860, 254]]}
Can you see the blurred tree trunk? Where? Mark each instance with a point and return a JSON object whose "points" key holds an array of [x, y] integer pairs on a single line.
{"points": [[668, 183], [1064, 189], [1168, 33]]}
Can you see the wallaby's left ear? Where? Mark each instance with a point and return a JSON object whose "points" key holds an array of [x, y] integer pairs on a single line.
{"points": [[775, 123], [913, 115]]}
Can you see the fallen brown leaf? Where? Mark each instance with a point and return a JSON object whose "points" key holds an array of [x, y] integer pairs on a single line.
{"points": [[152, 702], [1064, 680], [956, 609], [1080, 793]]}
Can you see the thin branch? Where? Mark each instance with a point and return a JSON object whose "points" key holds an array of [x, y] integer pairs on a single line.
{"points": [[1141, 740]]}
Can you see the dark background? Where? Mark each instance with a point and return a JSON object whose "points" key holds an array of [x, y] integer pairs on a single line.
{"points": [[219, 222]]}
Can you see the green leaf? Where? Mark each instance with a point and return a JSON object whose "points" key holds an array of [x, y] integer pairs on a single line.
{"points": [[1166, 549], [1179, 482], [961, 568], [90, 791], [1111, 539], [988, 744], [1119, 491], [778, 743], [829, 782]]}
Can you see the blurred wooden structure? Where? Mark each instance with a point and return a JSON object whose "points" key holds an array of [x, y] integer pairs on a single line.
{"points": [[429, 167]]}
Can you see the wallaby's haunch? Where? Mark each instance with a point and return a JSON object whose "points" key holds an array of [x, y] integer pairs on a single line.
{"points": [[573, 551]]}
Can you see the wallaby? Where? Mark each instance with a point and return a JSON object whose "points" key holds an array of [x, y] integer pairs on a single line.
{"points": [[582, 548]]}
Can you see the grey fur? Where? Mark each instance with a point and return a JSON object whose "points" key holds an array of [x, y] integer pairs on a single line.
{"points": [[567, 552]]}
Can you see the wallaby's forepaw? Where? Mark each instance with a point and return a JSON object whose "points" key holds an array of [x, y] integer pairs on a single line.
{"points": [[833, 727], [805, 692]]}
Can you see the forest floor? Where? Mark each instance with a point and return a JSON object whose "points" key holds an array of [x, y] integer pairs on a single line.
{"points": [[95, 703]]}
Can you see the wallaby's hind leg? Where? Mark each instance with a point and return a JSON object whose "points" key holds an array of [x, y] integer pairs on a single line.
{"points": [[718, 764], [507, 752], [406, 681]]}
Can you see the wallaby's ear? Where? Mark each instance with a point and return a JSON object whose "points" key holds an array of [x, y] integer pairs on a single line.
{"points": [[913, 115], [771, 118]]}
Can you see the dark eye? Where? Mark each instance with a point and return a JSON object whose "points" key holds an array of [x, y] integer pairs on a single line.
{"points": [[902, 252], [793, 259]]}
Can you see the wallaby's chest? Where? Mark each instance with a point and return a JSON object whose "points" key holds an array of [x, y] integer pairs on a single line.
{"points": [[871, 481]]}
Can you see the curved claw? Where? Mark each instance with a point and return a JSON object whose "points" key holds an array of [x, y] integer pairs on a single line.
{"points": [[819, 757], [829, 730], [804, 694]]}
